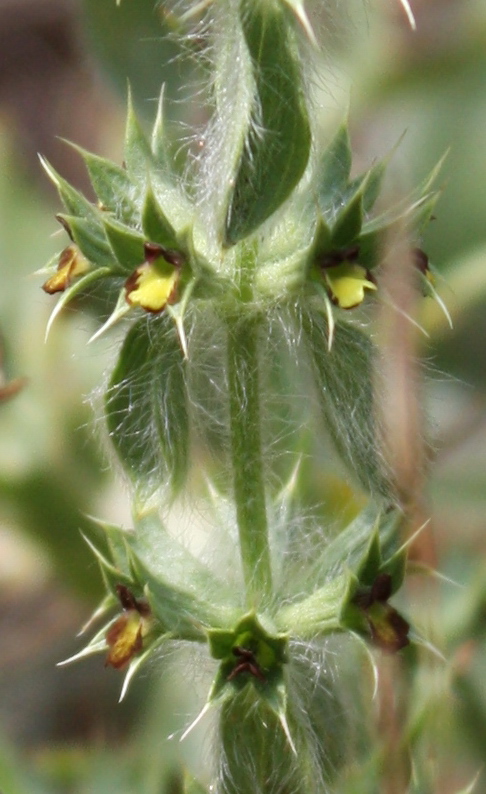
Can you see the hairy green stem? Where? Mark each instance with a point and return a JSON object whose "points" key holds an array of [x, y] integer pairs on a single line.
{"points": [[246, 454]]}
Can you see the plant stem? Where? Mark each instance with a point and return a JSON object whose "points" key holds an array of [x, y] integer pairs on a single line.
{"points": [[246, 454]]}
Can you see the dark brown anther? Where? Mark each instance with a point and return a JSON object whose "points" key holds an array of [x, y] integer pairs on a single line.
{"points": [[334, 258], [381, 589], [243, 653], [126, 597], [128, 600], [154, 251], [248, 664]]}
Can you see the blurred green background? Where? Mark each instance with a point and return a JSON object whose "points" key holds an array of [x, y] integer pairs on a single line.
{"points": [[64, 66]]}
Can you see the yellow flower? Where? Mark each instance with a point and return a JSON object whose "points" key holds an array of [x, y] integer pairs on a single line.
{"points": [[124, 639], [125, 636], [347, 283], [71, 264], [154, 283]]}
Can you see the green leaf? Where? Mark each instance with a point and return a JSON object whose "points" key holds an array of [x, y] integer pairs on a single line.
{"points": [[371, 247], [127, 244], [347, 225], [75, 289], [173, 562], [112, 185], [92, 241], [155, 224], [181, 612], [278, 143], [264, 748], [396, 567], [344, 381], [319, 613], [158, 143], [371, 181], [74, 201], [322, 239], [112, 576], [255, 750], [137, 151], [353, 546], [421, 215], [115, 544], [369, 565], [333, 169], [146, 406], [411, 218]]}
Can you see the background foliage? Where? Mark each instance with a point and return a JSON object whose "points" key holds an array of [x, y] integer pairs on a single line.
{"points": [[63, 72]]}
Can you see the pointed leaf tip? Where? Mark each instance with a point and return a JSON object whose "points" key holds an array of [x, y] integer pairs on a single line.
{"points": [[146, 404], [137, 151], [334, 169], [278, 141]]}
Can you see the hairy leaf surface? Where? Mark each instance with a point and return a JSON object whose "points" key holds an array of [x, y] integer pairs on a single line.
{"points": [[146, 406], [278, 145]]}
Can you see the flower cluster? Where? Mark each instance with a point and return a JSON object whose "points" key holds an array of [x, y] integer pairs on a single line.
{"points": [[293, 237]]}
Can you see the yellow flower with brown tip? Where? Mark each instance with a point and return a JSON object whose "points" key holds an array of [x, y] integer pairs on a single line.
{"points": [[346, 280], [154, 283], [124, 639], [125, 636], [347, 283], [71, 264]]}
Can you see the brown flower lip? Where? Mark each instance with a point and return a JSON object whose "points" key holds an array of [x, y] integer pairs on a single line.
{"points": [[128, 600], [71, 264], [154, 251], [337, 257], [147, 287], [125, 636], [388, 629]]}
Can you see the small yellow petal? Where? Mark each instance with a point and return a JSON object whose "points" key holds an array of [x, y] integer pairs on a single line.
{"points": [[124, 639], [71, 264], [347, 283], [150, 288], [58, 282]]}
